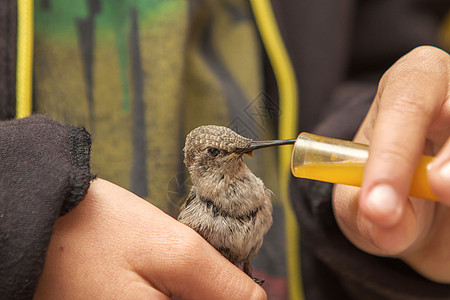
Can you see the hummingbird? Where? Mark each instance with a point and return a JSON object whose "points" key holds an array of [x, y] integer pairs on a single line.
{"points": [[227, 205]]}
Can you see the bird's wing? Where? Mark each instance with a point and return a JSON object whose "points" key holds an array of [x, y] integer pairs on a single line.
{"points": [[189, 199]]}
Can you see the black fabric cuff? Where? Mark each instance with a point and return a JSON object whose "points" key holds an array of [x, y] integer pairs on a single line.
{"points": [[80, 149], [44, 173]]}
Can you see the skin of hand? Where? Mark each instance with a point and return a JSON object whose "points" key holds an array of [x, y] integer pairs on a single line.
{"points": [[409, 116], [115, 245]]}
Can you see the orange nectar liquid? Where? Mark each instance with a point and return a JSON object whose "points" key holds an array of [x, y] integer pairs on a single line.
{"points": [[350, 173]]}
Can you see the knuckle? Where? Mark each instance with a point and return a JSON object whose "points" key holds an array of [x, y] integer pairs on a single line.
{"points": [[409, 105], [424, 50], [240, 287], [428, 60], [397, 155], [187, 244], [405, 102], [422, 62], [258, 294], [429, 52]]}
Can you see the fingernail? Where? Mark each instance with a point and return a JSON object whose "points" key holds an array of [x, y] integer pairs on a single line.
{"points": [[383, 200]]}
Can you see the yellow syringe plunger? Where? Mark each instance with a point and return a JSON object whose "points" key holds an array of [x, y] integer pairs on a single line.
{"points": [[338, 161]]}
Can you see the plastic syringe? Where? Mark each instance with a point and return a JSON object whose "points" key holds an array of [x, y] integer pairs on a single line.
{"points": [[338, 161]]}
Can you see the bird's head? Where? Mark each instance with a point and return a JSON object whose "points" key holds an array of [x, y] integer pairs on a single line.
{"points": [[213, 148]]}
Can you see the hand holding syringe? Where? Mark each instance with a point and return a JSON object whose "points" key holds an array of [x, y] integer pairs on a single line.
{"points": [[338, 161]]}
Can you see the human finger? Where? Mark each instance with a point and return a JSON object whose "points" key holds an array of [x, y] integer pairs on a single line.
{"points": [[409, 98], [195, 270]]}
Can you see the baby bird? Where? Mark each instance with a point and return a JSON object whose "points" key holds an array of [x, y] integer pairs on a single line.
{"points": [[228, 205]]}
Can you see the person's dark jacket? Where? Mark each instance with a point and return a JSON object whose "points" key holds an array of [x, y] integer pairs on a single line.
{"points": [[339, 50]]}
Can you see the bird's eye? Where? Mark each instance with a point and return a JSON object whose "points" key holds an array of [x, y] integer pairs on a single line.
{"points": [[213, 152]]}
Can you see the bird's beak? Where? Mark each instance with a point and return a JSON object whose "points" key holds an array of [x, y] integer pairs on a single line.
{"points": [[264, 144]]}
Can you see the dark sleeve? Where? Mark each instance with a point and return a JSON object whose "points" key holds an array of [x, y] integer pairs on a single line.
{"points": [[44, 173]]}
